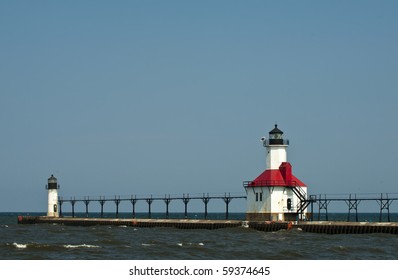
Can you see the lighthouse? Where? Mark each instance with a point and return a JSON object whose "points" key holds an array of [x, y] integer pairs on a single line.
{"points": [[276, 194], [52, 188]]}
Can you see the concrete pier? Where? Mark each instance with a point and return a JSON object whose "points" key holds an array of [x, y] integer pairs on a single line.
{"points": [[348, 227], [177, 223], [325, 227]]}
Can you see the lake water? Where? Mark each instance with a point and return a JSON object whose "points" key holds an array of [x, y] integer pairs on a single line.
{"points": [[50, 241]]}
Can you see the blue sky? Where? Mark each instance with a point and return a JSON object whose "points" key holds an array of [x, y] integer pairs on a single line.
{"points": [[172, 97]]}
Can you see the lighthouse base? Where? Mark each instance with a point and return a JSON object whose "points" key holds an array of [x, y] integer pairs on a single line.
{"points": [[277, 217], [53, 214]]}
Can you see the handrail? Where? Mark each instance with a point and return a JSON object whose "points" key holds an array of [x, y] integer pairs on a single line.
{"points": [[269, 183], [165, 197]]}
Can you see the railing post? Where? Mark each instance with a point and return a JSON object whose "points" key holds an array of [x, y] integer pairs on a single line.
{"points": [[384, 204], [227, 200], [205, 201], [323, 204], [133, 201], [186, 199], [117, 202], [167, 200], [352, 204], [60, 201], [149, 201], [73, 201], [102, 202], [86, 202]]}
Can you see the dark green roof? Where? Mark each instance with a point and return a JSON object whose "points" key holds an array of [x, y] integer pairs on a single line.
{"points": [[276, 130]]}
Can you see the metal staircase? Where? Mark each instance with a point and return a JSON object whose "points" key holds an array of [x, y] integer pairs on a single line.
{"points": [[303, 201]]}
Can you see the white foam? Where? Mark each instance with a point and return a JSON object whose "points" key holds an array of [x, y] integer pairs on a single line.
{"points": [[20, 246], [81, 246], [190, 244], [145, 244]]}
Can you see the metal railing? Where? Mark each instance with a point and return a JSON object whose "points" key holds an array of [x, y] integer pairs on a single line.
{"points": [[270, 183], [133, 199]]}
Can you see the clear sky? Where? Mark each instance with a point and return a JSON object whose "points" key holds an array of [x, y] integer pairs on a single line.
{"points": [[172, 97]]}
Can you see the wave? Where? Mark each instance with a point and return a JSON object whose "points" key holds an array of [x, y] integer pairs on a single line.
{"points": [[41, 246], [146, 244], [69, 246], [190, 244], [20, 246], [27, 245]]}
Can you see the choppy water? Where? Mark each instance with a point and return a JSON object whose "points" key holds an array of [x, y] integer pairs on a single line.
{"points": [[48, 241]]}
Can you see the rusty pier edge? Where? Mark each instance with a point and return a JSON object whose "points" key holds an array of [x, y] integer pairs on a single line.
{"points": [[325, 227]]}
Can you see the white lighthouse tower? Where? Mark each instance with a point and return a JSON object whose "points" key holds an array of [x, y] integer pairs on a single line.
{"points": [[276, 194], [52, 188]]}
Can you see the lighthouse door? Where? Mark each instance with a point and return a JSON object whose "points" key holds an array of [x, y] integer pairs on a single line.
{"points": [[55, 208]]}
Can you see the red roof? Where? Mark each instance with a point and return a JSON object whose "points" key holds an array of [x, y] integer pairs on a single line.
{"points": [[281, 177]]}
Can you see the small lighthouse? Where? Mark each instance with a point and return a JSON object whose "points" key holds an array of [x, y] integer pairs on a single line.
{"points": [[276, 194], [52, 188]]}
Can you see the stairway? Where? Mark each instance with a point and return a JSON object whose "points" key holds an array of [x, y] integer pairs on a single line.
{"points": [[303, 201]]}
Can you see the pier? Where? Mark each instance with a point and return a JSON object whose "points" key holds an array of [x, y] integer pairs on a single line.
{"points": [[176, 223], [56, 203], [349, 227], [266, 226]]}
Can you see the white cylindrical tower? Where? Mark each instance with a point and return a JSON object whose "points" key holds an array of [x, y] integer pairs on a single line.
{"points": [[52, 187], [276, 149]]}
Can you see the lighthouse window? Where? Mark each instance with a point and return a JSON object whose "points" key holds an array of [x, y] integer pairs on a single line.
{"points": [[261, 196], [276, 136], [256, 196], [289, 204]]}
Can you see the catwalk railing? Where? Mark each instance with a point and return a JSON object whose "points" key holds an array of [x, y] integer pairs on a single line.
{"points": [[322, 201], [384, 200], [133, 199]]}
